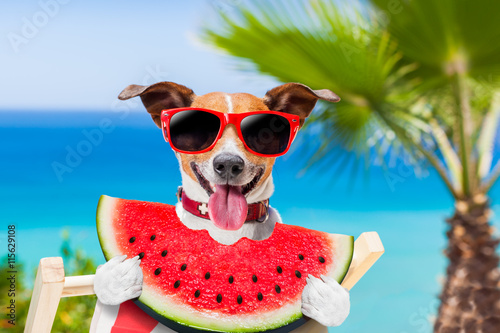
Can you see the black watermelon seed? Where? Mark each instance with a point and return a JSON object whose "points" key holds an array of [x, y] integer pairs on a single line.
{"points": [[177, 284], [158, 271], [279, 269], [219, 298], [183, 267], [259, 296], [231, 279], [131, 240], [207, 275], [141, 255], [301, 257], [321, 259], [297, 274], [277, 288], [153, 237], [164, 253], [254, 278], [197, 293], [239, 299]]}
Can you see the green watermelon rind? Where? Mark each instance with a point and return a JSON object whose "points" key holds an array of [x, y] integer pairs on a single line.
{"points": [[104, 206], [217, 324], [185, 316]]}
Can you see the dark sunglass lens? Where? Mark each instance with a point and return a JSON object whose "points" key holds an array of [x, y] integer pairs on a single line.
{"points": [[193, 130], [266, 134]]}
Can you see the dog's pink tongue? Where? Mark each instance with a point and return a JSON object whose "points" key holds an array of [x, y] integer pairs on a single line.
{"points": [[227, 207]]}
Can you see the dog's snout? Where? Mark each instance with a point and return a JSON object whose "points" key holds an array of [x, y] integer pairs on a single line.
{"points": [[228, 166]]}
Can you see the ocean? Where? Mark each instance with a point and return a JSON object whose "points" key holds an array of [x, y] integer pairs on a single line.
{"points": [[55, 165]]}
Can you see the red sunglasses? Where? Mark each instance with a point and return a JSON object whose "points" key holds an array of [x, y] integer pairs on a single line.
{"points": [[195, 130]]}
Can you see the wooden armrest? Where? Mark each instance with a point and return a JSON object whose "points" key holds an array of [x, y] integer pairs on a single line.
{"points": [[367, 249], [49, 284]]}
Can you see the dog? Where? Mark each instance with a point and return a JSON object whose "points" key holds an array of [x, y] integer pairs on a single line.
{"points": [[223, 177]]}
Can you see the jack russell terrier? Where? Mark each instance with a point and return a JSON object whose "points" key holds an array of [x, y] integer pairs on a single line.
{"points": [[226, 145]]}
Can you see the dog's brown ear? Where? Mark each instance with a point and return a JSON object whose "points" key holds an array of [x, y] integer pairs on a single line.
{"points": [[160, 96], [296, 98]]}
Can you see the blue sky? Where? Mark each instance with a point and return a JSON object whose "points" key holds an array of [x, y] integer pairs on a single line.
{"points": [[78, 55]]}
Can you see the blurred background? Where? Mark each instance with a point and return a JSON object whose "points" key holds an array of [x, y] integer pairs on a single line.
{"points": [[368, 163]]}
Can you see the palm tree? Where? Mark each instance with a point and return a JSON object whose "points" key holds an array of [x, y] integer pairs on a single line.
{"points": [[418, 78]]}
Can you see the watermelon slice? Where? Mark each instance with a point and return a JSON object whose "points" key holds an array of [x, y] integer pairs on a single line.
{"points": [[193, 281]]}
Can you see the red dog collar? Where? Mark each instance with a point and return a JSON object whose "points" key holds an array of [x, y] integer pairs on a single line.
{"points": [[257, 212]]}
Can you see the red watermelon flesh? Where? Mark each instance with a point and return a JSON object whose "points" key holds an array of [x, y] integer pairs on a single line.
{"points": [[196, 281]]}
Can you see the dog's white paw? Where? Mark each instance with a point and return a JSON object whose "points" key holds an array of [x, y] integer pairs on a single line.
{"points": [[118, 280], [325, 301]]}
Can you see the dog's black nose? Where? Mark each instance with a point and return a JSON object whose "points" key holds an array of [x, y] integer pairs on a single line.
{"points": [[228, 166]]}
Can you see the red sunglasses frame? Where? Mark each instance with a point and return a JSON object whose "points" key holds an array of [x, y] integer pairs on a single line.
{"points": [[229, 118]]}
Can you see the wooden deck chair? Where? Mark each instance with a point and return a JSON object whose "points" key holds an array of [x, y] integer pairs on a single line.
{"points": [[51, 285]]}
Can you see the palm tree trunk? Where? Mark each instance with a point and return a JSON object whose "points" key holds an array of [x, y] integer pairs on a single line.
{"points": [[470, 300]]}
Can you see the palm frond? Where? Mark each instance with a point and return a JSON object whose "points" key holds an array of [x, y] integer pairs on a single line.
{"points": [[438, 33], [398, 78], [324, 46], [485, 144]]}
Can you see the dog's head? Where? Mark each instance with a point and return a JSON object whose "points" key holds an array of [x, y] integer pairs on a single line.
{"points": [[228, 176]]}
